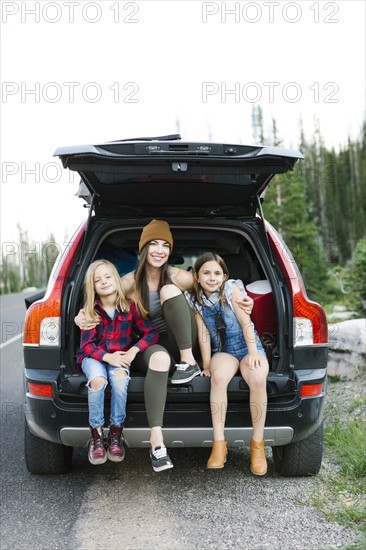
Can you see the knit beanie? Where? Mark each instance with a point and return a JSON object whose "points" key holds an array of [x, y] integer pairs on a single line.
{"points": [[156, 229]]}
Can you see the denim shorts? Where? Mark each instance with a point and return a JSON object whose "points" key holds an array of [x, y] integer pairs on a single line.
{"points": [[242, 351]]}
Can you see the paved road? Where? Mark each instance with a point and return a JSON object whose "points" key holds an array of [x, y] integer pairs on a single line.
{"points": [[127, 506]]}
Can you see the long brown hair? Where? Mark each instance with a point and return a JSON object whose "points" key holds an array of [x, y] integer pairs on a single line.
{"points": [[89, 289], [197, 290], [141, 286]]}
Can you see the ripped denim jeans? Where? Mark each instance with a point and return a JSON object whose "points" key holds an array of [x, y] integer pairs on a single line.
{"points": [[93, 368]]}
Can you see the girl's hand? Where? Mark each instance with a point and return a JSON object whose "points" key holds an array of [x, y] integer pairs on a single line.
{"points": [[128, 356], [246, 304], [206, 372], [83, 323], [117, 359], [254, 360]]}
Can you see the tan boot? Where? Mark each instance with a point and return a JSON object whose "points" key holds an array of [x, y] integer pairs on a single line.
{"points": [[218, 455], [258, 461]]}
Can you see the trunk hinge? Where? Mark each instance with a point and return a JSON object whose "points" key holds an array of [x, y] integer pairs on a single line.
{"points": [[265, 232], [87, 225]]}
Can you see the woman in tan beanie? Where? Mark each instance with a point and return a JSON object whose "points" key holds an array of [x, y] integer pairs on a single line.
{"points": [[157, 289]]}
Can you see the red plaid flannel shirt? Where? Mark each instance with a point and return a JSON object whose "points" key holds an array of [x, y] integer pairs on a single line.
{"points": [[116, 334]]}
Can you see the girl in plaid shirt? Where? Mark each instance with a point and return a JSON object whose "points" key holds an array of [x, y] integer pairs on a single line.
{"points": [[106, 353]]}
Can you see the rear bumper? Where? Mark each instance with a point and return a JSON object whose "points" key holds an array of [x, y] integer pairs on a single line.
{"points": [[183, 437], [187, 420]]}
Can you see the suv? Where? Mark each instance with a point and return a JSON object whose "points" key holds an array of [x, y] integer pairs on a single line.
{"points": [[211, 194]]}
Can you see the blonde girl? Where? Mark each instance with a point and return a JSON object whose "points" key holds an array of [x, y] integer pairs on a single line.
{"points": [[106, 353]]}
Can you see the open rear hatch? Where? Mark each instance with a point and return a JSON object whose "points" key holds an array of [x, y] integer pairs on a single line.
{"points": [[158, 177]]}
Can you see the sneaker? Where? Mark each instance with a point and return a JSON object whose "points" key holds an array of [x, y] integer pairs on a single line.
{"points": [[160, 459], [96, 453], [185, 372], [116, 451]]}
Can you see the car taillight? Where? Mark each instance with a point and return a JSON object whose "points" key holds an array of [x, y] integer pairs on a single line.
{"points": [[40, 390], [310, 324], [43, 318], [42, 323], [311, 390]]}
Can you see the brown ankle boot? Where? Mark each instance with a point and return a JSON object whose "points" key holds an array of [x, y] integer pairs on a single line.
{"points": [[218, 455], [258, 461]]}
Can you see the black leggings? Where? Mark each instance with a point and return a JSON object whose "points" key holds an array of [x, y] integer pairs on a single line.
{"points": [[181, 334]]}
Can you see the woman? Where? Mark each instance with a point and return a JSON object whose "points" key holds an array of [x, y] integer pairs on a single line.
{"points": [[157, 290]]}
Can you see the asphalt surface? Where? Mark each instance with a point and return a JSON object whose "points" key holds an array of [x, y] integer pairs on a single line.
{"points": [[128, 506]]}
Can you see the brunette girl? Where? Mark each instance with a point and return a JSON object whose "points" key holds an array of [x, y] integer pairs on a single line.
{"points": [[229, 343]]}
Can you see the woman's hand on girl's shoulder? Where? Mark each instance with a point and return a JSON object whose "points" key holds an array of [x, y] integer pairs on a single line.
{"points": [[244, 302], [83, 323], [181, 278]]}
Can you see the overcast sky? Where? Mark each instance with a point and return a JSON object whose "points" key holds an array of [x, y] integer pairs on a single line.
{"points": [[77, 72]]}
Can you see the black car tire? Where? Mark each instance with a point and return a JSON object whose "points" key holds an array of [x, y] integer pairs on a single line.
{"points": [[302, 458], [45, 457]]}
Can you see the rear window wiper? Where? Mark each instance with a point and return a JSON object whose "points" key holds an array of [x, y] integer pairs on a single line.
{"points": [[171, 137]]}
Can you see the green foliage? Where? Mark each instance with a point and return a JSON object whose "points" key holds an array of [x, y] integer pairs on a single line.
{"points": [[9, 278], [320, 210], [351, 280], [336, 194], [341, 491], [27, 263], [349, 486], [349, 443], [286, 207], [355, 277]]}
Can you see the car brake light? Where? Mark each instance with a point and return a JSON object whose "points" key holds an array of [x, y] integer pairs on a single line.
{"points": [[40, 390], [42, 320], [311, 390], [310, 321]]}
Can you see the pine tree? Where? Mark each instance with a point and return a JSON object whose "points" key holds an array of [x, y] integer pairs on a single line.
{"points": [[257, 125], [300, 233]]}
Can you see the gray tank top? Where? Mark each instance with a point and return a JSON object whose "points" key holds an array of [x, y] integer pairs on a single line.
{"points": [[156, 311]]}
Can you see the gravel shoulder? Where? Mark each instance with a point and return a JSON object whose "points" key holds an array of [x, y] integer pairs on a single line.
{"points": [[341, 398]]}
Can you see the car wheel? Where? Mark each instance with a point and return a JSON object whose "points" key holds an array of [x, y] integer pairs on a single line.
{"points": [[302, 458], [45, 457]]}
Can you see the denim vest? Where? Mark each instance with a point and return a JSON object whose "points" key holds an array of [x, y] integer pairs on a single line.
{"points": [[215, 315]]}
